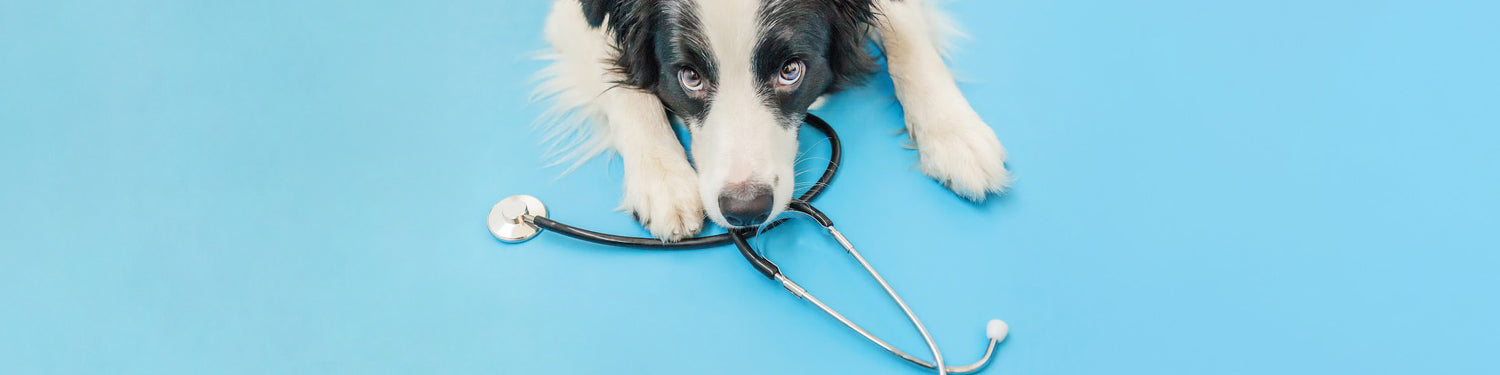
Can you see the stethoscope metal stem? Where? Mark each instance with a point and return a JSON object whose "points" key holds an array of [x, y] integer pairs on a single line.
{"points": [[800, 292], [937, 355]]}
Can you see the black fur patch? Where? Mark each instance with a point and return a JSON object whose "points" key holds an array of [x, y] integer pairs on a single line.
{"points": [[637, 23], [848, 57], [828, 36], [634, 24]]}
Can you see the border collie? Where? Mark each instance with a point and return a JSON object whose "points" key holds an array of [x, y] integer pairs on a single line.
{"points": [[740, 75]]}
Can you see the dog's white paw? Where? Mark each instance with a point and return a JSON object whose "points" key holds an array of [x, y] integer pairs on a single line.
{"points": [[958, 149], [663, 195]]}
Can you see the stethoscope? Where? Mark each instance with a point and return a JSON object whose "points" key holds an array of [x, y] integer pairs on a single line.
{"points": [[519, 218]]}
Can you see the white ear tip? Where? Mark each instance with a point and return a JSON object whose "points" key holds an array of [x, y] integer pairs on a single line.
{"points": [[997, 329]]}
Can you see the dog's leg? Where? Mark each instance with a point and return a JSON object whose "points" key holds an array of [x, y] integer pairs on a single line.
{"points": [[954, 145], [661, 188]]}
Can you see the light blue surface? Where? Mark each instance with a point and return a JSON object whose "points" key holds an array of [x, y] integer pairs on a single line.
{"points": [[1240, 187]]}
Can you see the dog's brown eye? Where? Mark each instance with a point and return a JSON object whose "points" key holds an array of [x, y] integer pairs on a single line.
{"points": [[690, 79], [791, 72]]}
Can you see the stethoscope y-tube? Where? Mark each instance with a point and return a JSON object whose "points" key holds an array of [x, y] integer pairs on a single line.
{"points": [[521, 217], [996, 330]]}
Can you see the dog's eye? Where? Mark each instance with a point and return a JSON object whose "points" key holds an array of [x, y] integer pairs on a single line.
{"points": [[690, 79], [791, 72]]}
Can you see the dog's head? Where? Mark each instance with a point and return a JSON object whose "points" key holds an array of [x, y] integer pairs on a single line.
{"points": [[740, 74]]}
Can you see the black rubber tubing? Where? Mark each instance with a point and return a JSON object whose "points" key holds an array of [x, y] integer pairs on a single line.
{"points": [[835, 155], [766, 266]]}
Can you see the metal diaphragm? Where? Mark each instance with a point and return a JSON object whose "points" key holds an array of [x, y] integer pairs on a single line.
{"points": [[508, 218]]}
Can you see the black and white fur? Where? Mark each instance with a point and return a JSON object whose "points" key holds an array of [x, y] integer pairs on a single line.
{"points": [[741, 75]]}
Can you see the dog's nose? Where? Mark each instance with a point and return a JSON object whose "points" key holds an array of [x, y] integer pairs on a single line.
{"points": [[746, 204]]}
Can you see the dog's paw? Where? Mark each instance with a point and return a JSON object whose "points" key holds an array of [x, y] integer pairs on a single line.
{"points": [[958, 149], [663, 195]]}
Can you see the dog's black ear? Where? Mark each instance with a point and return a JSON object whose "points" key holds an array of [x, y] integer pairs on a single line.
{"points": [[848, 53], [633, 24]]}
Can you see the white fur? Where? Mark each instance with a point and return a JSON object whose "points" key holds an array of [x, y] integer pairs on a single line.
{"points": [[571, 82], [741, 139], [660, 185], [954, 145]]}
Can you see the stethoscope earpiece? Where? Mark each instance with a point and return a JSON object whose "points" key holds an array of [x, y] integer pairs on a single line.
{"points": [[996, 330]]}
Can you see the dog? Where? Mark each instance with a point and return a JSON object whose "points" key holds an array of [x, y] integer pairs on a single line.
{"points": [[740, 76]]}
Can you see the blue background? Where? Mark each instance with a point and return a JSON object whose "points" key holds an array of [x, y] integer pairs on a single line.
{"points": [[1232, 187]]}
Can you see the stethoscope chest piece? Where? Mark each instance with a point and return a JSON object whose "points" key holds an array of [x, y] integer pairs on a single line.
{"points": [[508, 218]]}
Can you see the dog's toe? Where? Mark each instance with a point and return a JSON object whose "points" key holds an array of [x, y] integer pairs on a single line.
{"points": [[664, 198], [965, 156]]}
